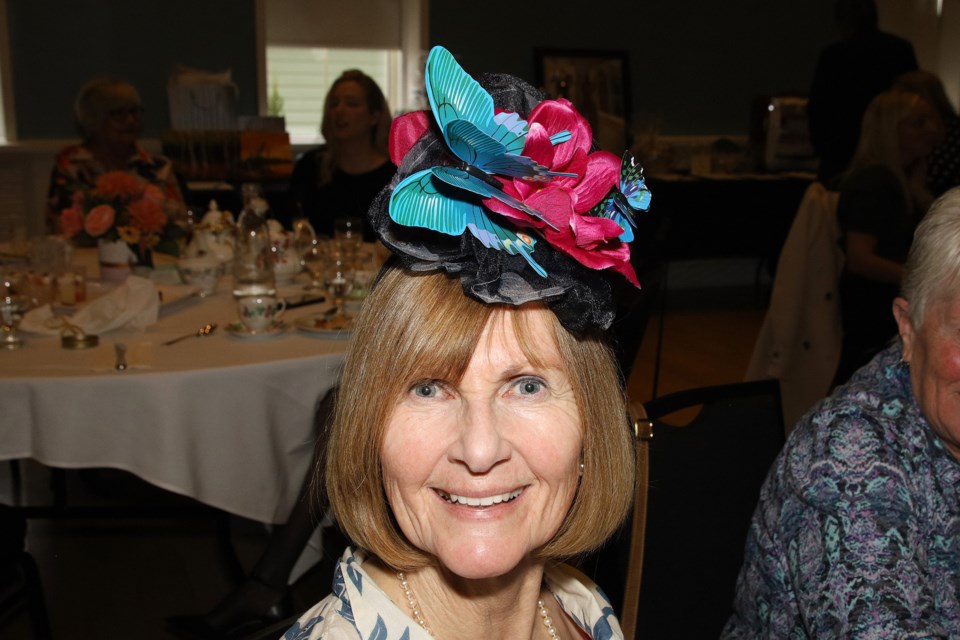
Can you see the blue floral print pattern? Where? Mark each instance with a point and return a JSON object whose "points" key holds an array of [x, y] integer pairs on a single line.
{"points": [[857, 531], [358, 609]]}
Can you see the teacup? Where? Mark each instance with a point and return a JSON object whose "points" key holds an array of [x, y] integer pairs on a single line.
{"points": [[203, 272], [258, 313]]}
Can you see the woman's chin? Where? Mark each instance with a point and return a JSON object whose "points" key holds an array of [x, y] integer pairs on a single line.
{"points": [[481, 563]]}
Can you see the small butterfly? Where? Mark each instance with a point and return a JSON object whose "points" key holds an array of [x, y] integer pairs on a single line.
{"points": [[632, 195], [486, 143]]}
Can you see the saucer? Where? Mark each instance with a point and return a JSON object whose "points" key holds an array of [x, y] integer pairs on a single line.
{"points": [[240, 330], [318, 326]]}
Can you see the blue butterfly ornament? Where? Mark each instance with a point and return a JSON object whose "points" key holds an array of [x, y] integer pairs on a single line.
{"points": [[447, 199]]}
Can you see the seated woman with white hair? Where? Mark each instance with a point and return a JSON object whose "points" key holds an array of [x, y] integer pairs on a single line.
{"points": [[108, 114], [857, 533]]}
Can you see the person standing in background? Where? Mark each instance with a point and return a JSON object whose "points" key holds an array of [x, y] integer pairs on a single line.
{"points": [[849, 73]]}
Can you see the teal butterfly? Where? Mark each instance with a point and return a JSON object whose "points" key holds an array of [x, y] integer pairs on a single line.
{"points": [[632, 195], [486, 143]]}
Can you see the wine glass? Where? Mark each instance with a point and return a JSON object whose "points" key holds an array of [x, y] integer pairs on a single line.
{"points": [[339, 280], [314, 260], [348, 231], [12, 309]]}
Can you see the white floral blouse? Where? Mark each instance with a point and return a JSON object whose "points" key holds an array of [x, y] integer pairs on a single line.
{"points": [[358, 608]]}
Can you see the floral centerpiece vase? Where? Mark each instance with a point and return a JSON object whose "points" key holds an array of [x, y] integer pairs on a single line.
{"points": [[125, 216]]}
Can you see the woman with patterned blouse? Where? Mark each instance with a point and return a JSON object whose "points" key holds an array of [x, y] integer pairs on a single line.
{"points": [[857, 532], [107, 114], [480, 437]]}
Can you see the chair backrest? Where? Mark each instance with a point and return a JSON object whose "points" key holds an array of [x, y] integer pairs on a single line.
{"points": [[704, 481], [20, 586]]}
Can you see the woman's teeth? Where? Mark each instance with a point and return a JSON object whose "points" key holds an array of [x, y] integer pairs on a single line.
{"points": [[479, 502]]}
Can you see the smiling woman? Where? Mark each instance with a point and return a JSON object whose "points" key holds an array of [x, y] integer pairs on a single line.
{"points": [[480, 435]]}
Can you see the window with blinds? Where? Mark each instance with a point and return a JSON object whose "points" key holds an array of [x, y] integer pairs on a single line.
{"points": [[298, 79]]}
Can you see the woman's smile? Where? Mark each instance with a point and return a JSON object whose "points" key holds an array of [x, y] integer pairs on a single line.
{"points": [[485, 501]]}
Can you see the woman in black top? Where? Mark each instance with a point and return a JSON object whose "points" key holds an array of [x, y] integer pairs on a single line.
{"points": [[342, 177], [883, 196]]}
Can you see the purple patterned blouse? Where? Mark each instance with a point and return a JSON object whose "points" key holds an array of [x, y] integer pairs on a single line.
{"points": [[857, 532]]}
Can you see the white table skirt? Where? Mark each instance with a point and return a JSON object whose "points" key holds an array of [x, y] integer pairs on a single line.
{"points": [[225, 420]]}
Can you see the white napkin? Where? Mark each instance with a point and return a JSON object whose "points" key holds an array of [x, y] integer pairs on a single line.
{"points": [[132, 305]]}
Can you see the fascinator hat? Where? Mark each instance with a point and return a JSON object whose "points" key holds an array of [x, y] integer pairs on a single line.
{"points": [[504, 189]]}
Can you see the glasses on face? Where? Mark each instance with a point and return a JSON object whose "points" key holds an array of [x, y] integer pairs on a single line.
{"points": [[122, 113]]}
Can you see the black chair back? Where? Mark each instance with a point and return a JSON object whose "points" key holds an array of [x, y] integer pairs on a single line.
{"points": [[20, 587], [704, 481]]}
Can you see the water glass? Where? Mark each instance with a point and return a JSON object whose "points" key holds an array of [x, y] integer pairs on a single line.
{"points": [[12, 310], [348, 231]]}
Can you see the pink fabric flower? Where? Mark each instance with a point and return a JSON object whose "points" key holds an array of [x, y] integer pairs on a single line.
{"points": [[71, 221], [99, 220], [405, 132], [591, 241]]}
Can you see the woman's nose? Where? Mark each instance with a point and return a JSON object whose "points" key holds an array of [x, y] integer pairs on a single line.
{"points": [[480, 445]]}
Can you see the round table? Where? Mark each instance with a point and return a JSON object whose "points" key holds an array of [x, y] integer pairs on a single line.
{"points": [[223, 419]]}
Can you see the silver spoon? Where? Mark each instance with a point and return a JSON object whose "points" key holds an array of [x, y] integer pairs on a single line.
{"points": [[121, 350], [205, 330]]}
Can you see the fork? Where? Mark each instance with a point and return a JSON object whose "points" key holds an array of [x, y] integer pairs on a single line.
{"points": [[205, 330]]}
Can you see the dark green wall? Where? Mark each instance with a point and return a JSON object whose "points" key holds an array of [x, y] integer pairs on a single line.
{"points": [[57, 45], [695, 63]]}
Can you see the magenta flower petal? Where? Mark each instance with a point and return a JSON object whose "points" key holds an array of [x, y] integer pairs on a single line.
{"points": [[405, 131], [538, 146], [559, 115], [602, 174]]}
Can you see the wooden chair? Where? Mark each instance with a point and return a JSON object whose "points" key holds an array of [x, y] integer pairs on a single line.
{"points": [[699, 485]]}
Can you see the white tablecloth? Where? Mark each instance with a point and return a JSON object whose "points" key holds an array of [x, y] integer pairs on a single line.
{"points": [[225, 420]]}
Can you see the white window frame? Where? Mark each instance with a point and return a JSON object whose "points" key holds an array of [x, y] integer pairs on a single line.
{"points": [[8, 126], [413, 43]]}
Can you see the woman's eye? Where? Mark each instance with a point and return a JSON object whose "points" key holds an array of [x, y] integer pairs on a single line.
{"points": [[426, 389], [530, 386]]}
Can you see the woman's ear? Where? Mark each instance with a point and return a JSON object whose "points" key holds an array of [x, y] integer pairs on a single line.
{"points": [[901, 312]]}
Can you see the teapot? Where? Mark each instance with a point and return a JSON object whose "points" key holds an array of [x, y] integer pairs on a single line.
{"points": [[213, 236]]}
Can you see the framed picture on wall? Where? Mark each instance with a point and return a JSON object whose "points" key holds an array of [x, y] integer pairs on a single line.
{"points": [[596, 82]]}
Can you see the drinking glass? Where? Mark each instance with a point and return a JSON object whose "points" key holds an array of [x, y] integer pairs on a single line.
{"points": [[12, 309], [304, 237], [314, 259], [348, 231], [339, 276]]}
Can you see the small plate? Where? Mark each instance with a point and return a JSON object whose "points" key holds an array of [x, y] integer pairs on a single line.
{"points": [[314, 325], [239, 330]]}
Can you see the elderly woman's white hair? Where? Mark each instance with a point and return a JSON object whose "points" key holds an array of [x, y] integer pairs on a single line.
{"points": [[97, 99], [932, 271]]}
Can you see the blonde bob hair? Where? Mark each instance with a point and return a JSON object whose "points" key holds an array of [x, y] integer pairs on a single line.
{"points": [[417, 326], [880, 131], [932, 271]]}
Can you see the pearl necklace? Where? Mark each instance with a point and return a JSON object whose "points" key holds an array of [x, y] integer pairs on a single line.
{"points": [[418, 615]]}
